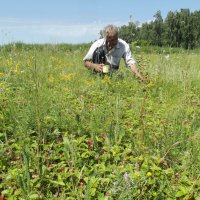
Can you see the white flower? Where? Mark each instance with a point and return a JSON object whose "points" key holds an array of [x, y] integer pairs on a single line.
{"points": [[167, 57], [126, 176]]}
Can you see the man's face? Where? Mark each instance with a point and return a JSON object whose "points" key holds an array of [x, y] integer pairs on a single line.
{"points": [[112, 40]]}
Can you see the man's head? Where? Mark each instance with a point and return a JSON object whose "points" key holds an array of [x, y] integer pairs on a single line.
{"points": [[111, 35]]}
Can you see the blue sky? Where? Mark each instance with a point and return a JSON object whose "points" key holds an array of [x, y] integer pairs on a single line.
{"points": [[76, 21]]}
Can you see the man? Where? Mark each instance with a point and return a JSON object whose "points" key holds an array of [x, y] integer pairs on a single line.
{"points": [[109, 51]]}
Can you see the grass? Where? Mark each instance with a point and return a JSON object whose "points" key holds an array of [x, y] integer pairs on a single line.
{"points": [[84, 137]]}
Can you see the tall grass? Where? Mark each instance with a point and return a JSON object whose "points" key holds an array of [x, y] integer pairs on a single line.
{"points": [[86, 137]]}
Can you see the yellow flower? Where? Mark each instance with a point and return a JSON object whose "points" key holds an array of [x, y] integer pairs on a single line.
{"points": [[51, 78], [154, 194], [150, 84], [137, 174], [149, 174], [106, 79], [140, 159], [66, 77], [114, 153], [16, 70]]}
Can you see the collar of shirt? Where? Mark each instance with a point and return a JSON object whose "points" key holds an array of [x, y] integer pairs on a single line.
{"points": [[117, 46]]}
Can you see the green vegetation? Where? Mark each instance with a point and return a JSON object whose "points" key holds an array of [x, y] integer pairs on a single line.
{"points": [[68, 134], [178, 29]]}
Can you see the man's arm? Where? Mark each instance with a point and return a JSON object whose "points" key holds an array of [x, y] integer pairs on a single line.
{"points": [[90, 65], [129, 60], [134, 69]]}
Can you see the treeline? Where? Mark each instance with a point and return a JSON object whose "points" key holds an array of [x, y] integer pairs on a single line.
{"points": [[178, 29]]}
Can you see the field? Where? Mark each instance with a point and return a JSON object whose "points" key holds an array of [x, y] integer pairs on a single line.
{"points": [[68, 134]]}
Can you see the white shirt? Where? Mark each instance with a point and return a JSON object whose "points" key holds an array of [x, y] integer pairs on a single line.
{"points": [[113, 57]]}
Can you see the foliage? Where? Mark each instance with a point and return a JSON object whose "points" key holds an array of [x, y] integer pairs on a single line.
{"points": [[178, 29], [68, 134]]}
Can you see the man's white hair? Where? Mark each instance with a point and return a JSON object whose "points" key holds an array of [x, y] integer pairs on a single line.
{"points": [[110, 30]]}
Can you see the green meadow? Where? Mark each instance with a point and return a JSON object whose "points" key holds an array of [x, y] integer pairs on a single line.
{"points": [[66, 133]]}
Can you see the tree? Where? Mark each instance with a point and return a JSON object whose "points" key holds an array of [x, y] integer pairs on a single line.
{"points": [[179, 29], [172, 29], [145, 35], [158, 29], [186, 33], [195, 28], [128, 32]]}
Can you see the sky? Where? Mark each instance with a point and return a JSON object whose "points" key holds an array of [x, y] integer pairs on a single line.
{"points": [[76, 21]]}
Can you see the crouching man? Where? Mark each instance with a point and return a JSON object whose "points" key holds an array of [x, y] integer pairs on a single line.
{"points": [[105, 54]]}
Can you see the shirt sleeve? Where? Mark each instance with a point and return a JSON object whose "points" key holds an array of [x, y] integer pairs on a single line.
{"points": [[90, 53], [128, 58]]}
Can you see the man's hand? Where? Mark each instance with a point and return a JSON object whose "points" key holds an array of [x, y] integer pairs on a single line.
{"points": [[139, 76], [94, 66], [98, 67]]}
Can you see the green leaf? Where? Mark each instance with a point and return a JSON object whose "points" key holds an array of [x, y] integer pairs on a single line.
{"points": [[34, 196], [180, 194], [183, 191], [105, 180], [58, 182], [93, 191]]}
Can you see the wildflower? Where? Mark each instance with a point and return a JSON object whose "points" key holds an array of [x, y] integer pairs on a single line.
{"points": [[16, 70], [137, 174], [149, 174], [51, 78], [177, 176], [81, 185], [137, 166], [140, 159], [126, 177], [150, 84], [154, 194], [90, 143], [34, 176], [107, 79], [167, 57], [66, 77], [56, 194], [107, 194]]}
